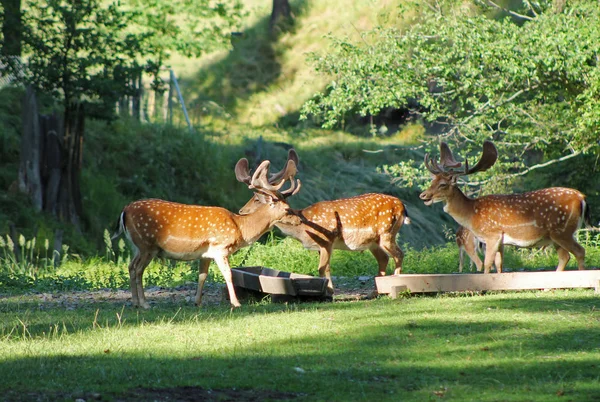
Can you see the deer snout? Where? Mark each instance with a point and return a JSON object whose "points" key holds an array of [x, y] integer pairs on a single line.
{"points": [[427, 197]]}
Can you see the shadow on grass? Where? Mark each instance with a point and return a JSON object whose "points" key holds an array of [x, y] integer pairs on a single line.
{"points": [[404, 361]]}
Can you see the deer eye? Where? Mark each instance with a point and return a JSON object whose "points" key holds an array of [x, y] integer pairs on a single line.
{"points": [[443, 185]]}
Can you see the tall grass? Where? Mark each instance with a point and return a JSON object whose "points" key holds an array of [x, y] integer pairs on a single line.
{"points": [[36, 269]]}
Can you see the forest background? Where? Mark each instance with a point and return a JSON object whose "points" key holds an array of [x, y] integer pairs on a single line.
{"points": [[362, 92]]}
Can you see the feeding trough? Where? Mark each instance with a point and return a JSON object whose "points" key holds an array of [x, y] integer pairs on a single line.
{"points": [[282, 286], [434, 283]]}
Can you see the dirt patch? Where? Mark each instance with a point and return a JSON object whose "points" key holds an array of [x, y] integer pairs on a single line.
{"points": [[346, 289]]}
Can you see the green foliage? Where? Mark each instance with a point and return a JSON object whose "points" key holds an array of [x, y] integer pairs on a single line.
{"points": [[190, 28], [531, 85], [35, 269], [80, 50]]}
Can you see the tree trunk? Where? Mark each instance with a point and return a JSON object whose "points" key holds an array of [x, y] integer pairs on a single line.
{"points": [[70, 206], [12, 28], [51, 160], [281, 16], [29, 178]]}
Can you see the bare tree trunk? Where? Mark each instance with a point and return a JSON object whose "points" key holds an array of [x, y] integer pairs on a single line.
{"points": [[53, 154], [281, 16], [70, 206], [51, 160], [29, 169]]}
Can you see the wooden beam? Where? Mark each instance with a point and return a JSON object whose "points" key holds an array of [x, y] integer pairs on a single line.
{"points": [[418, 283]]}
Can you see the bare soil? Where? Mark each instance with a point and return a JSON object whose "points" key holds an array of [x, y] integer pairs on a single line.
{"points": [[346, 289]]}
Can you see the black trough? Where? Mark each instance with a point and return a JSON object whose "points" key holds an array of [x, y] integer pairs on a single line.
{"points": [[281, 285]]}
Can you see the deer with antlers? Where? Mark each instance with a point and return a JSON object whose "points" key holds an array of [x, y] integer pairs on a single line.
{"points": [[158, 228], [364, 222], [534, 219]]}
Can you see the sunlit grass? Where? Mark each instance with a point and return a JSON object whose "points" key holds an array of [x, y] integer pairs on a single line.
{"points": [[522, 345]]}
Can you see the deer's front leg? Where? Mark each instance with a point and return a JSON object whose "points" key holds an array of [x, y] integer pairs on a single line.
{"points": [[499, 260], [324, 267], [223, 264], [202, 274], [492, 246]]}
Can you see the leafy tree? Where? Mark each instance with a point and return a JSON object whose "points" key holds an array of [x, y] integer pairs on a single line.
{"points": [[530, 80], [87, 53], [11, 28]]}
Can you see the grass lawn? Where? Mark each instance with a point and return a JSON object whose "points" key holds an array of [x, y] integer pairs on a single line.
{"points": [[514, 346]]}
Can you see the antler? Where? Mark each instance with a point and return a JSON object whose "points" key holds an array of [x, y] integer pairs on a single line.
{"points": [[488, 158], [242, 171], [449, 165], [292, 156], [446, 160], [258, 181]]}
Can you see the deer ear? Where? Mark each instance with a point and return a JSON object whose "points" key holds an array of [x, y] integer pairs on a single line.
{"points": [[453, 179]]}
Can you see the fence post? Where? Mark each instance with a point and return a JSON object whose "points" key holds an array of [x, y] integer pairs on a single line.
{"points": [[185, 113]]}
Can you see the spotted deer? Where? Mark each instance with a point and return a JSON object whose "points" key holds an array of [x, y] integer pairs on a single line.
{"points": [[158, 228], [468, 243], [550, 216], [364, 222]]}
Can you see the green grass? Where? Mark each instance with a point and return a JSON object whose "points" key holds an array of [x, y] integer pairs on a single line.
{"points": [[526, 346], [34, 270]]}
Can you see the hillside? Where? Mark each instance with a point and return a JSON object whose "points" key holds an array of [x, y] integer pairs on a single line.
{"points": [[243, 102]]}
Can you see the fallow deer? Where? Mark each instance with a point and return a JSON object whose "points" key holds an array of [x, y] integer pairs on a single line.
{"points": [[468, 243], [364, 222], [533, 219], [158, 228]]}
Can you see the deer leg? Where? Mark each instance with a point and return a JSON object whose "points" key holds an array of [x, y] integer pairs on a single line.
{"points": [[324, 267], [461, 257], [571, 246], [223, 264], [382, 260], [132, 280], [471, 249], [563, 257], [492, 246], [141, 265], [202, 274], [499, 259], [388, 243]]}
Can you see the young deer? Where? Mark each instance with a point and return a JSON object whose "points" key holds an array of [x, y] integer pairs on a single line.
{"points": [[468, 243], [364, 222], [158, 228], [533, 219]]}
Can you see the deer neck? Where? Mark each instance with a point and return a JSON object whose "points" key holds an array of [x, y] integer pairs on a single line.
{"points": [[460, 207], [255, 224]]}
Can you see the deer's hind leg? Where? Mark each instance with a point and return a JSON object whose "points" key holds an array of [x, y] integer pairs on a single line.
{"points": [[570, 246], [382, 259], [136, 273], [387, 242]]}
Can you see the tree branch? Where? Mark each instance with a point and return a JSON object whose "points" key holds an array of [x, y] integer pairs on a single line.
{"points": [[529, 169], [514, 14]]}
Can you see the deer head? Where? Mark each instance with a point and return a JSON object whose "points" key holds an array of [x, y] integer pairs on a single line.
{"points": [[270, 186], [446, 173]]}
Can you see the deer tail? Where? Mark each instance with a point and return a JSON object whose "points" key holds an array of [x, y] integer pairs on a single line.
{"points": [[587, 215], [120, 226], [407, 220]]}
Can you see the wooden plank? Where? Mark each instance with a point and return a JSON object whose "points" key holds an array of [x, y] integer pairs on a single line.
{"points": [[396, 290], [434, 283]]}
